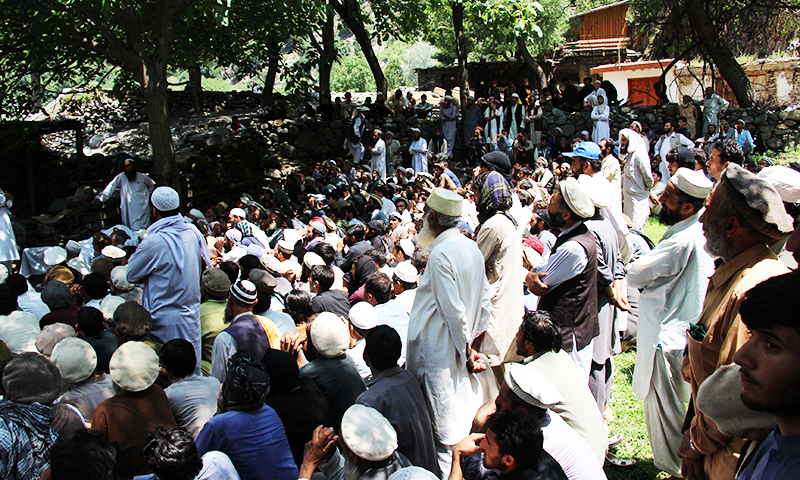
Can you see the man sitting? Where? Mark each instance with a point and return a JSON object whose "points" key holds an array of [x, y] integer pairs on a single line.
{"points": [[85, 386], [246, 430], [140, 406], [18, 330], [172, 454], [378, 292], [539, 342], [327, 300], [362, 318], [299, 403], [396, 394], [332, 370], [193, 398], [405, 278], [214, 288], [369, 445], [92, 328], [57, 297]]}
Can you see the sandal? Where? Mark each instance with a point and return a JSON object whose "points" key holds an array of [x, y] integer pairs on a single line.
{"points": [[615, 439], [619, 462]]}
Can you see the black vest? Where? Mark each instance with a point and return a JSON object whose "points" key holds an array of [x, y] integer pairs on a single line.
{"points": [[251, 339], [573, 304]]}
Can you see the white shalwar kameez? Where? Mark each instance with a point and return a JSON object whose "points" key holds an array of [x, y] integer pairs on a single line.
{"points": [[636, 180], [379, 158], [600, 116], [666, 144], [356, 148], [494, 123], [134, 198], [451, 309], [8, 241], [168, 262], [674, 277], [419, 155], [449, 119]]}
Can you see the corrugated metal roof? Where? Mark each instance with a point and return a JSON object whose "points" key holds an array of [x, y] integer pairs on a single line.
{"points": [[597, 9]]}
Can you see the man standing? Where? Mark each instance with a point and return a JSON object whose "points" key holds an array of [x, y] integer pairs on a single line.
{"points": [[169, 262], [513, 121], [610, 167], [419, 152], [494, 119], [472, 118], [567, 281], [743, 215], [134, 190], [352, 141], [449, 115], [668, 142], [712, 105], [378, 153], [672, 278], [636, 177], [451, 312], [250, 232], [500, 242]]}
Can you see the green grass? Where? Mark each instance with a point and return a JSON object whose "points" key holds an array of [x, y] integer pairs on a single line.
{"points": [[629, 411]]}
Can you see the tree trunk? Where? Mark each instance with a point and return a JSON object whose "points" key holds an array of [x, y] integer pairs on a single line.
{"points": [[350, 13], [155, 94], [195, 83], [36, 96], [326, 58], [539, 80], [269, 81], [461, 51], [723, 58]]}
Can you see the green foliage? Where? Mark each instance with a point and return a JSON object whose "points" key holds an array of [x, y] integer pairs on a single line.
{"points": [[352, 73]]}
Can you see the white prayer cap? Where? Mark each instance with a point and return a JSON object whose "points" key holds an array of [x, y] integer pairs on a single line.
{"points": [[692, 182], [329, 335], [112, 252], [165, 199], [272, 265], [515, 95], [196, 214], [720, 397], [785, 180], [75, 359], [78, 265], [531, 386], [576, 197], [292, 236], [73, 247], [311, 260], [596, 190], [134, 366], [368, 434], [3, 273], [585, 132], [405, 272], [233, 235], [362, 315], [54, 256], [285, 247], [407, 246], [363, 108], [109, 305], [413, 473], [413, 129], [484, 57], [291, 266], [445, 202], [238, 212]]}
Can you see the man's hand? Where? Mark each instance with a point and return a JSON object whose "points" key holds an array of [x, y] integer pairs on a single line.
{"points": [[691, 460], [469, 446], [535, 284], [95, 200], [293, 344], [686, 369], [475, 364], [318, 450]]}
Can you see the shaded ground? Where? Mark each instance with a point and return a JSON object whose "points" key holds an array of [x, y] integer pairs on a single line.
{"points": [[629, 411]]}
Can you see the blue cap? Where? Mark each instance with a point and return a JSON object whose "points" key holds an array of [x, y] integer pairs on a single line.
{"points": [[588, 150]]}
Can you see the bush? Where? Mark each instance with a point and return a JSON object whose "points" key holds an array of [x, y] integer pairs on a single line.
{"points": [[352, 73]]}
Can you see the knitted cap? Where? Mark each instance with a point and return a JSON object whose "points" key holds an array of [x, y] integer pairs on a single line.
{"points": [[244, 292]]}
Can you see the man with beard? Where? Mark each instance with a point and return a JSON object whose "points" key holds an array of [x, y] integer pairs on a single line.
{"points": [[667, 143], [673, 277], [540, 227], [418, 149], [450, 315], [134, 190], [567, 281], [245, 336], [636, 177], [743, 215], [770, 371]]}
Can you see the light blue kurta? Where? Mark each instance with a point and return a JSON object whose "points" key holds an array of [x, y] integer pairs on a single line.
{"points": [[171, 291]]}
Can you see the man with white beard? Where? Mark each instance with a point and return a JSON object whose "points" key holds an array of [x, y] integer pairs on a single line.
{"points": [[450, 315], [134, 190]]}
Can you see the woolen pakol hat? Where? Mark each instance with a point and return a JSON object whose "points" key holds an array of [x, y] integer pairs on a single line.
{"points": [[50, 335], [134, 366], [368, 434], [54, 256], [576, 197], [692, 182], [329, 335], [30, 377], [215, 282], [531, 386], [75, 359]]}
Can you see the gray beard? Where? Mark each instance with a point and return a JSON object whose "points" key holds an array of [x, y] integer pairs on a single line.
{"points": [[716, 245]]}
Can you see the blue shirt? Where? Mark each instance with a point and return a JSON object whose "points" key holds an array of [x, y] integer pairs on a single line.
{"points": [[777, 457], [255, 441], [742, 139]]}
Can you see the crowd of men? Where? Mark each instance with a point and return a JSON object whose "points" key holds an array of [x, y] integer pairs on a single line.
{"points": [[356, 323]]}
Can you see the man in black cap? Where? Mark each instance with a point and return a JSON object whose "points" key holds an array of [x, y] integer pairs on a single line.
{"points": [[495, 162]]}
